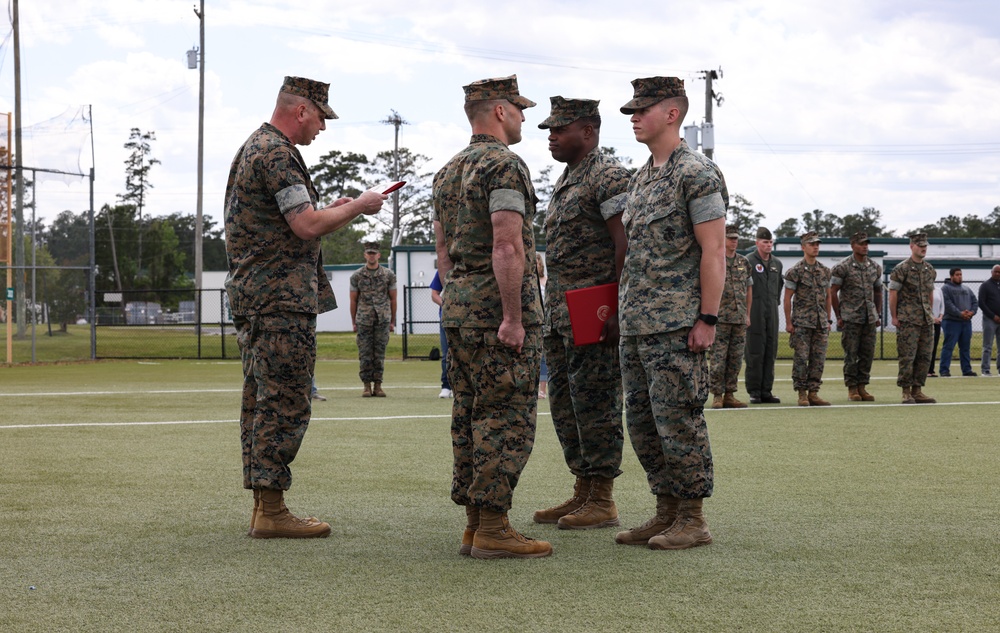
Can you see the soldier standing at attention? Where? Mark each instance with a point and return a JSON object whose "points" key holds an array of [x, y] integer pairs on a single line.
{"points": [[670, 289], [731, 332], [856, 297], [373, 317], [807, 320], [911, 291], [762, 335], [585, 247], [483, 205], [276, 287]]}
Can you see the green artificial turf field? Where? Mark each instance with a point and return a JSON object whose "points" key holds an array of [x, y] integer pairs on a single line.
{"points": [[121, 509]]}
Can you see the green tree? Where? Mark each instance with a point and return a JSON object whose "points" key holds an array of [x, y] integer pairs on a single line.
{"points": [[137, 167], [825, 224], [868, 221], [213, 241], [339, 175], [788, 228], [968, 226], [68, 239], [115, 237], [746, 219], [415, 199], [164, 261]]}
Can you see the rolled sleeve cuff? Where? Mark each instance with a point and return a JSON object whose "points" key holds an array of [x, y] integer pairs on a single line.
{"points": [[506, 200], [895, 285], [791, 285], [707, 208], [291, 197], [613, 206]]}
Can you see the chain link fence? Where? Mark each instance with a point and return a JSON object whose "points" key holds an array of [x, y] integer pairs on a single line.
{"points": [[421, 323], [165, 324]]}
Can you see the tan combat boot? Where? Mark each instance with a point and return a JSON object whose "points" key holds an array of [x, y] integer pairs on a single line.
{"points": [[275, 521], [377, 390], [920, 397], [256, 510], [495, 538], [689, 530], [598, 512], [717, 401], [908, 396], [367, 393], [803, 398], [816, 401], [853, 395], [581, 491], [729, 401], [867, 397], [666, 513], [469, 535]]}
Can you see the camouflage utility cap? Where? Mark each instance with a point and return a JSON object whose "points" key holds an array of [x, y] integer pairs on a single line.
{"points": [[763, 233], [810, 238], [373, 247], [316, 91], [497, 88], [733, 231], [920, 239], [565, 111], [651, 90], [860, 238]]}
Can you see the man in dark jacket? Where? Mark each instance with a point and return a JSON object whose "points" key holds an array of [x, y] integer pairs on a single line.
{"points": [[960, 305], [989, 303], [762, 335]]}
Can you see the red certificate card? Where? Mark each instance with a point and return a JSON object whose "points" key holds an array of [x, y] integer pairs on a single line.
{"points": [[589, 308], [388, 187]]}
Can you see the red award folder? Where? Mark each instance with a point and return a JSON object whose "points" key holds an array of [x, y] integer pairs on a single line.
{"points": [[589, 308]]}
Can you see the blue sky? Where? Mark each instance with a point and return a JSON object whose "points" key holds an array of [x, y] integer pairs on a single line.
{"points": [[836, 106]]}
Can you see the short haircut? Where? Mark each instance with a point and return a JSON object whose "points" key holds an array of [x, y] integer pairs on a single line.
{"points": [[591, 120], [952, 271], [476, 109], [681, 103], [287, 100]]}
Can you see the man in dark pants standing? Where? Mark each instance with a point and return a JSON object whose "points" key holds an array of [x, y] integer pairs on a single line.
{"points": [[762, 335]]}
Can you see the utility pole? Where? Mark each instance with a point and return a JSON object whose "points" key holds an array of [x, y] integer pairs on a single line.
{"points": [[396, 121], [708, 130], [199, 218], [19, 302]]}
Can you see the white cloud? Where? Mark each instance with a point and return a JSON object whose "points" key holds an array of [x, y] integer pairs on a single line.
{"points": [[839, 106]]}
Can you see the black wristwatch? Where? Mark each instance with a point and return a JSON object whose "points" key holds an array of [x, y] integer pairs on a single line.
{"points": [[709, 319]]}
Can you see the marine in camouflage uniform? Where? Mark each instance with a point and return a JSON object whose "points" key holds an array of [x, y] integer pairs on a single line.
{"points": [[731, 332], [911, 290], [585, 239], [669, 295], [276, 286], [492, 314], [807, 319], [856, 297], [373, 315]]}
